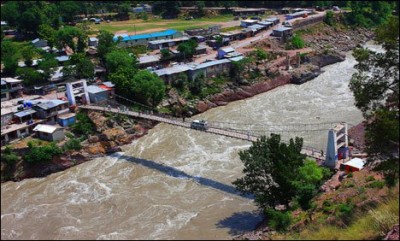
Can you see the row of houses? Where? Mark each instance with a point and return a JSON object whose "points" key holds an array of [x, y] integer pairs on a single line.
{"points": [[193, 70], [20, 120]]}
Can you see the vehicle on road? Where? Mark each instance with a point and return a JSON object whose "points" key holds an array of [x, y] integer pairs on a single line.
{"points": [[199, 125]]}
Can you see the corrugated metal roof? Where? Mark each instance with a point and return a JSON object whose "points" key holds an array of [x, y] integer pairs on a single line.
{"points": [[3, 82], [162, 41], [25, 113], [212, 63], [94, 89], [271, 19], [282, 29], [234, 59], [46, 128], [11, 80], [62, 58], [355, 162], [268, 23], [149, 59], [147, 35], [228, 49], [35, 41], [93, 39], [109, 84], [256, 26], [172, 70]]}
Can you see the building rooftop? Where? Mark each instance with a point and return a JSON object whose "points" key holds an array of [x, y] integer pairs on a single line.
{"points": [[210, 63], [66, 116], [147, 35], [282, 29], [46, 128], [172, 70], [62, 58], [94, 89], [25, 113], [355, 162], [162, 41], [149, 59], [109, 84], [11, 80], [228, 49]]}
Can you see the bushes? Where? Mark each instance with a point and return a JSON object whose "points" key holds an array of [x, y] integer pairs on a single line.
{"points": [[376, 184], [277, 220], [42, 153], [9, 156], [297, 42], [84, 125], [73, 144]]}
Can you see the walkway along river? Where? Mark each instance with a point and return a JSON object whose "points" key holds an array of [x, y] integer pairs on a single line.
{"points": [[173, 183]]}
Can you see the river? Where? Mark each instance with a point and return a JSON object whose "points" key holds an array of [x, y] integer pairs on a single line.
{"points": [[173, 183]]}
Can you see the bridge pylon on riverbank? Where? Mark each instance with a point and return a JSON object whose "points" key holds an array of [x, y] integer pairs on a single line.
{"points": [[338, 145]]}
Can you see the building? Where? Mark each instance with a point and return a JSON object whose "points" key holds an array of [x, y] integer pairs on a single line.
{"points": [[282, 33], [110, 87], [248, 22], [275, 21], [172, 73], [143, 39], [66, 119], [201, 49], [48, 110], [256, 28], [267, 24], [97, 94], [248, 11], [93, 41], [11, 88], [210, 68], [224, 51], [205, 32], [39, 43], [300, 14], [49, 132], [354, 165], [142, 8], [166, 43], [233, 35], [149, 61]]}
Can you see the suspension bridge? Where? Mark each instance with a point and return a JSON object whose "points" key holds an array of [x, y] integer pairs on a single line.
{"points": [[228, 129]]}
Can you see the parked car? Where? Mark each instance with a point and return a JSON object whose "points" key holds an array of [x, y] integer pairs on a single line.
{"points": [[199, 125]]}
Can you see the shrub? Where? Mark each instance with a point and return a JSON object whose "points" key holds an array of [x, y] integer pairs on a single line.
{"points": [[42, 153], [83, 125], [329, 18], [9, 156], [278, 220], [370, 178], [376, 184], [73, 144], [297, 42], [350, 175]]}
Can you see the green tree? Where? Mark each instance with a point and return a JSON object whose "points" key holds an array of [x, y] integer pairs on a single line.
{"points": [[119, 58], [329, 19], [67, 10], [165, 54], [106, 44], [75, 38], [376, 90], [122, 78], [10, 13], [79, 67], [187, 48], [148, 88], [270, 168], [10, 65], [30, 76], [47, 65], [28, 53], [48, 33]]}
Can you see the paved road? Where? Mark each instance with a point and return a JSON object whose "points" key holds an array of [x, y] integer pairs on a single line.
{"points": [[240, 44]]}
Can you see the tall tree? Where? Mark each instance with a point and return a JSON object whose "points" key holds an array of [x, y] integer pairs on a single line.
{"points": [[79, 67], [106, 44], [376, 90], [120, 58], [270, 168]]}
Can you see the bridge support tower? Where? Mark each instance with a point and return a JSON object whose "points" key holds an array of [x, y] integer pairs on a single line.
{"points": [[338, 145]]}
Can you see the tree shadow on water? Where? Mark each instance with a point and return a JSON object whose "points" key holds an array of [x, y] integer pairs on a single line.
{"points": [[171, 171], [241, 222]]}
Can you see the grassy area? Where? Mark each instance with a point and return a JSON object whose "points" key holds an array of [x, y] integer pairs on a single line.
{"points": [[373, 225], [157, 24], [231, 28]]}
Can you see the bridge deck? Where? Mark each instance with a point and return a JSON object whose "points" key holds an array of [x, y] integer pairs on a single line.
{"points": [[229, 133]]}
